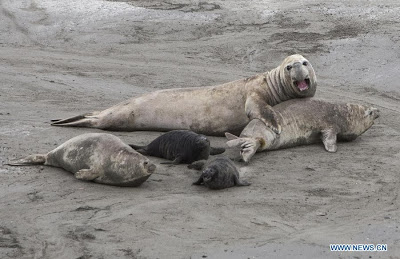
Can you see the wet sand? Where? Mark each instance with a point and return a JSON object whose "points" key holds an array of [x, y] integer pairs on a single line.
{"points": [[63, 58]]}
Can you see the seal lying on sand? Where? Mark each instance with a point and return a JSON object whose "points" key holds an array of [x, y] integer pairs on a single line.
{"points": [[209, 110], [181, 146], [219, 173], [99, 157], [306, 121]]}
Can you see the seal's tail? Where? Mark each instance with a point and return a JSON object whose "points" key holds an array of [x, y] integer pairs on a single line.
{"points": [[141, 149], [84, 120], [216, 150], [37, 159]]}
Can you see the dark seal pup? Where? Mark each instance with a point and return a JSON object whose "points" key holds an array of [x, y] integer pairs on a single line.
{"points": [[210, 110], [181, 146], [306, 121], [220, 173], [99, 157]]}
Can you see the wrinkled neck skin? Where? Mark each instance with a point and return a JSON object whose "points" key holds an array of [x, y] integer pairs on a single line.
{"points": [[277, 88]]}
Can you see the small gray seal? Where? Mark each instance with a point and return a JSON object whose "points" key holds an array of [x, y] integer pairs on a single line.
{"points": [[181, 146], [99, 157], [211, 110], [219, 173], [306, 121]]}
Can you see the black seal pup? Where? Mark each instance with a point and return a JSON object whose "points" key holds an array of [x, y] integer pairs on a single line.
{"points": [[181, 146], [219, 173], [99, 157], [306, 121]]}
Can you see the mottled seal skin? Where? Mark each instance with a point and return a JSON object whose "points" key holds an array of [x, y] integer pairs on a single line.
{"points": [[99, 157], [220, 173], [306, 121], [211, 110], [181, 146]]}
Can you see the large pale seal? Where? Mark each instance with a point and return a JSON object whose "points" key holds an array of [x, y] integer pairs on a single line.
{"points": [[99, 157], [306, 121], [209, 110], [219, 173], [181, 146]]}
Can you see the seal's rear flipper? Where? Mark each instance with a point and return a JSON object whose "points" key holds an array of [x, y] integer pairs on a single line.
{"points": [[242, 183], [177, 161], [141, 149], [239, 182], [37, 159], [234, 141], [216, 150], [248, 146], [84, 120], [197, 165], [230, 136]]}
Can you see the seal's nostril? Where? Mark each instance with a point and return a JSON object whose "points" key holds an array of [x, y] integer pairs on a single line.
{"points": [[151, 168]]}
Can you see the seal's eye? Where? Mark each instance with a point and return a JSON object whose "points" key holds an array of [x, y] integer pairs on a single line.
{"points": [[371, 112], [146, 163], [289, 67], [305, 63]]}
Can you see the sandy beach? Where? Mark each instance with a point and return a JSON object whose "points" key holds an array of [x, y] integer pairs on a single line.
{"points": [[63, 58]]}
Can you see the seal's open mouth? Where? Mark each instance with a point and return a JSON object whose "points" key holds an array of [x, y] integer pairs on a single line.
{"points": [[302, 85]]}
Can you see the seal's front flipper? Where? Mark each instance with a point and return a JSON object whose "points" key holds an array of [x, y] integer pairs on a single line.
{"points": [[199, 182], [216, 150], [197, 165], [239, 182], [329, 140], [37, 159], [87, 174], [257, 108], [176, 161], [84, 120]]}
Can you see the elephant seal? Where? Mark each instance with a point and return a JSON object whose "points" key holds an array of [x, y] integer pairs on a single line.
{"points": [[99, 157], [220, 173], [306, 121], [211, 110], [181, 146]]}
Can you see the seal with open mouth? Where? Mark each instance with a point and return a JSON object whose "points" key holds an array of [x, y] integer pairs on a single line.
{"points": [[211, 110], [300, 78], [306, 121]]}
